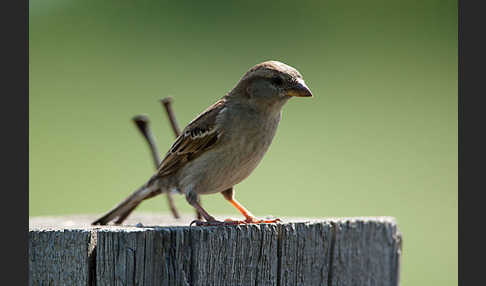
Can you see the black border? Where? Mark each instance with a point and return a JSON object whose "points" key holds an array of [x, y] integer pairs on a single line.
{"points": [[471, 142], [15, 144]]}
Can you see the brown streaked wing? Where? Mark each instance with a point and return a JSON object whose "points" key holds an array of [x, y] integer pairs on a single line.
{"points": [[199, 136]]}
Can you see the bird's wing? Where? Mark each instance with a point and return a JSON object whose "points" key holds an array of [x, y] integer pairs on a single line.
{"points": [[199, 136]]}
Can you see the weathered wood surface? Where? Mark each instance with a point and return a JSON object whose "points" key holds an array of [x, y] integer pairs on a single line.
{"points": [[165, 251]]}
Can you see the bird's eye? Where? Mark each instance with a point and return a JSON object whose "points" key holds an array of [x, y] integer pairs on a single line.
{"points": [[277, 80]]}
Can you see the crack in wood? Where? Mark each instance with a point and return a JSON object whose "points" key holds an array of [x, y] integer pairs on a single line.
{"points": [[331, 253], [92, 258]]}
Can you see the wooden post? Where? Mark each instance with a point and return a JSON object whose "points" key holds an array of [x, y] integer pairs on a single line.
{"points": [[337, 251]]}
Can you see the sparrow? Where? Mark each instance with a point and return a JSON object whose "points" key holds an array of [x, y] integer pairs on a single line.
{"points": [[222, 145]]}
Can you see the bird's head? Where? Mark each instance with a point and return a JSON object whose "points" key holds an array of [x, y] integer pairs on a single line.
{"points": [[270, 83]]}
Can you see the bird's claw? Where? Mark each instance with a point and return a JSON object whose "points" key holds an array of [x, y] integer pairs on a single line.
{"points": [[249, 220], [213, 222], [258, 221], [196, 221]]}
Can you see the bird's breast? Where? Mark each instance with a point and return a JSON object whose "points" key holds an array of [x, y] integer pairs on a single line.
{"points": [[244, 140], [247, 143]]}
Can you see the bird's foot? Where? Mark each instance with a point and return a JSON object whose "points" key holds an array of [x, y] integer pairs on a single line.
{"points": [[198, 222], [248, 220], [251, 219]]}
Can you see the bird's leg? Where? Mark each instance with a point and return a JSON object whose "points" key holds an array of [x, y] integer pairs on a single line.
{"points": [[192, 199], [249, 218]]}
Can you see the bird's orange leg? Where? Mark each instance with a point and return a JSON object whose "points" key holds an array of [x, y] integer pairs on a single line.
{"points": [[249, 218]]}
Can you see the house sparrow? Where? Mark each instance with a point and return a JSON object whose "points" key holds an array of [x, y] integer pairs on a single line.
{"points": [[224, 144]]}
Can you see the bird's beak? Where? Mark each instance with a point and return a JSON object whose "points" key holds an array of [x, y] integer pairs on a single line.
{"points": [[300, 89]]}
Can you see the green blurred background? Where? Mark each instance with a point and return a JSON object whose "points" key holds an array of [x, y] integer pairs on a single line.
{"points": [[378, 138]]}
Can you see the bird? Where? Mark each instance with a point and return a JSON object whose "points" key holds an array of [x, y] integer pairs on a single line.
{"points": [[222, 146]]}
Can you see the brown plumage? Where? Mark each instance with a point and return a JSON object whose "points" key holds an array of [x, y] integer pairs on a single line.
{"points": [[199, 135]]}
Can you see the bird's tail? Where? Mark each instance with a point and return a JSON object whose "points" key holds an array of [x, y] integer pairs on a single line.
{"points": [[123, 209]]}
